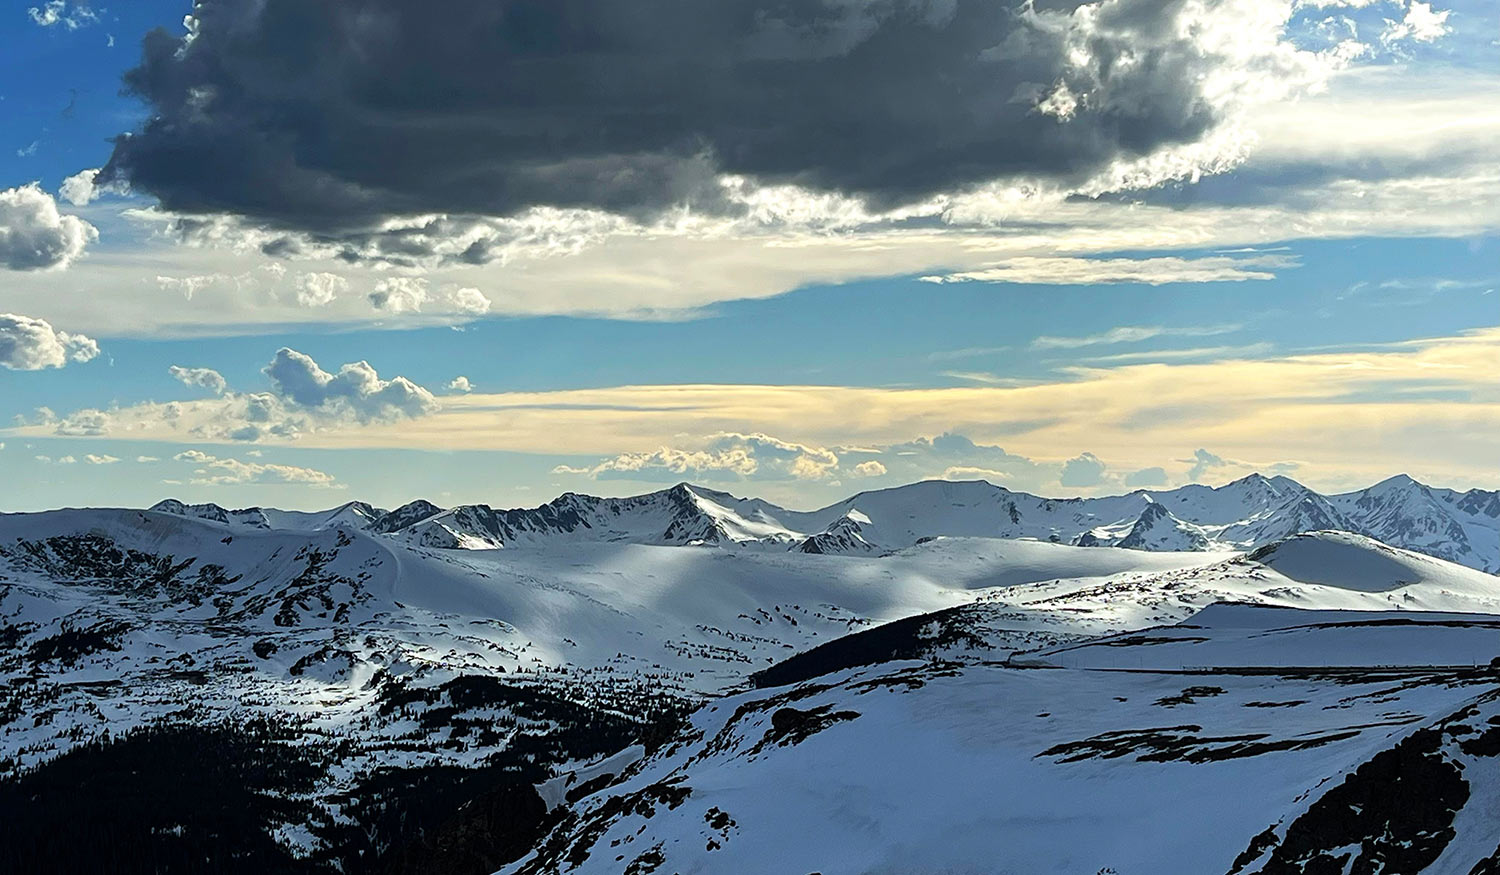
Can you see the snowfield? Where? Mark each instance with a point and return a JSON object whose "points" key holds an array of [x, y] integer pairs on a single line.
{"points": [[977, 766], [1239, 636]]}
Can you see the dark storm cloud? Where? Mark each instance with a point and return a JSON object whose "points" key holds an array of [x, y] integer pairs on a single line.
{"points": [[328, 116]]}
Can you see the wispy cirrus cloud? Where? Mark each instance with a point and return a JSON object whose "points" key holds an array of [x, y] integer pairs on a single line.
{"points": [[212, 470], [1038, 270], [1203, 353], [1132, 334]]}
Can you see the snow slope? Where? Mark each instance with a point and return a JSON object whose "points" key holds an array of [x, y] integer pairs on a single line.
{"points": [[978, 767], [1227, 635], [163, 609], [1317, 570]]}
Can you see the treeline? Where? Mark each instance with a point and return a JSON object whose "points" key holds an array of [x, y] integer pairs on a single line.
{"points": [[172, 798], [159, 799]]}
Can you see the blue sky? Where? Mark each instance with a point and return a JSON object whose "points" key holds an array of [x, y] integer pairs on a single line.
{"points": [[1313, 294]]}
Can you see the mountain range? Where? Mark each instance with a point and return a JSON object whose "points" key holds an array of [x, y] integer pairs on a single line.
{"points": [[1462, 527], [690, 681]]}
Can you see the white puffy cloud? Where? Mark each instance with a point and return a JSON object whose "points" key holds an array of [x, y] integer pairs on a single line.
{"points": [[215, 471], [461, 383], [1421, 24], [724, 456], [469, 300], [81, 188], [1203, 461], [188, 286], [304, 399], [949, 456], [356, 390], [1147, 477], [761, 457], [1212, 466], [35, 235], [100, 459], [58, 12], [203, 378], [1084, 470], [84, 423], [400, 294], [28, 344], [318, 289]]}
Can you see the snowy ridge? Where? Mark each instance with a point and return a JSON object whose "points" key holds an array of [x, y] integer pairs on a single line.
{"points": [[1243, 515], [682, 515]]}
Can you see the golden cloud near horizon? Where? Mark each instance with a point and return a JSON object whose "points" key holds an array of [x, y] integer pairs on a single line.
{"points": [[1428, 407]]}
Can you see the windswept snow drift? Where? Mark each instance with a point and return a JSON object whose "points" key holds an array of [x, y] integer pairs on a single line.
{"points": [[1246, 636]]}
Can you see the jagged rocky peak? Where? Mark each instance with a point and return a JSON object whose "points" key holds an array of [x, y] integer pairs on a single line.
{"points": [[1269, 490], [1480, 503], [1314, 512], [1157, 529], [250, 516], [207, 511], [357, 513], [1395, 482], [849, 533], [407, 514]]}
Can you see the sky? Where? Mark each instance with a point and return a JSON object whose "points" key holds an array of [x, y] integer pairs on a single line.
{"points": [[272, 252]]}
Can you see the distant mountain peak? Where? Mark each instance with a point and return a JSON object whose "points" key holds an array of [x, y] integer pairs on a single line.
{"points": [[1157, 529], [1399, 481], [1241, 515]]}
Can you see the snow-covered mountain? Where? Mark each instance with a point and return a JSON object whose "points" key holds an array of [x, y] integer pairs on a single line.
{"points": [[1462, 527], [682, 515], [1248, 513], [400, 675], [1158, 529], [970, 763]]}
